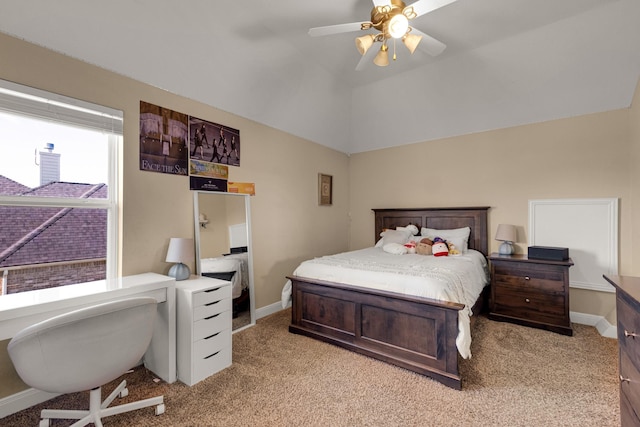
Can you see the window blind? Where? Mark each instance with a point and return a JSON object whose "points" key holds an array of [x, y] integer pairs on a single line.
{"points": [[19, 99]]}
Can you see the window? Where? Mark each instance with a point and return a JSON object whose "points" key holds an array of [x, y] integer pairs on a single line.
{"points": [[58, 189]]}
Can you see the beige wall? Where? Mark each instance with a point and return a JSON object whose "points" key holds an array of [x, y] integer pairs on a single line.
{"points": [[580, 157], [287, 223]]}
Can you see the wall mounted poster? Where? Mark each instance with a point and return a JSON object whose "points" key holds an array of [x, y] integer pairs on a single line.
{"points": [[163, 140], [214, 143], [208, 176]]}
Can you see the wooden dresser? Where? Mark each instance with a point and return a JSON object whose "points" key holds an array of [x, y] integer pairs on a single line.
{"points": [[530, 292], [628, 314]]}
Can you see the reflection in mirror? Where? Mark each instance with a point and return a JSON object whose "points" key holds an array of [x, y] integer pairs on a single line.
{"points": [[223, 247]]}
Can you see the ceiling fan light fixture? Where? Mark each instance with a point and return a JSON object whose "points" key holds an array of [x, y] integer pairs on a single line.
{"points": [[411, 41], [382, 57], [398, 26], [364, 43]]}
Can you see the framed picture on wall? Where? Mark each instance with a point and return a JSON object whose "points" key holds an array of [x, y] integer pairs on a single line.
{"points": [[325, 189]]}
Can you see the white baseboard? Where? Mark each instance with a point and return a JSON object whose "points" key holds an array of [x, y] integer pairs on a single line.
{"points": [[603, 326], [23, 400], [269, 309]]}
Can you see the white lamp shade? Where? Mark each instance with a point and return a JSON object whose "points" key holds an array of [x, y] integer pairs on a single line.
{"points": [[180, 250], [382, 58], [364, 43], [411, 41], [506, 233]]}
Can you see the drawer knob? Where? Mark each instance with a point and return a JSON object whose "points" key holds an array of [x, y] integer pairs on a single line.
{"points": [[526, 278], [624, 380], [630, 334], [527, 300]]}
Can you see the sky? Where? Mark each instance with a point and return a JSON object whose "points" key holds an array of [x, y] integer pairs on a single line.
{"points": [[83, 153]]}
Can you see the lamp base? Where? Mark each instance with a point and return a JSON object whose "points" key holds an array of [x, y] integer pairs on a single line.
{"points": [[506, 248], [180, 271]]}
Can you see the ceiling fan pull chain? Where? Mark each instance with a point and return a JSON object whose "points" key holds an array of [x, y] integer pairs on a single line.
{"points": [[394, 49]]}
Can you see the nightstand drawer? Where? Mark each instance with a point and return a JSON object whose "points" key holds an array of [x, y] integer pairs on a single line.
{"points": [[548, 280], [528, 305]]}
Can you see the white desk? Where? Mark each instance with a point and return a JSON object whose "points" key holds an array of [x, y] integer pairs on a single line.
{"points": [[20, 310]]}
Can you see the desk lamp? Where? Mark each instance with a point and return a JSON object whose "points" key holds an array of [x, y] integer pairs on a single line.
{"points": [[507, 234], [180, 251]]}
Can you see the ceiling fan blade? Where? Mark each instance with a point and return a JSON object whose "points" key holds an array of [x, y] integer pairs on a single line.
{"points": [[425, 6], [335, 29], [428, 44]]}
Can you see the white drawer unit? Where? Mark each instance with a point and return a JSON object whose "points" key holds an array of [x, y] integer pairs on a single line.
{"points": [[204, 327]]}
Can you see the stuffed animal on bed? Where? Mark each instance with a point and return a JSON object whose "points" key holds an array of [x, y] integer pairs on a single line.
{"points": [[411, 247], [423, 247], [452, 249], [411, 227], [439, 247]]}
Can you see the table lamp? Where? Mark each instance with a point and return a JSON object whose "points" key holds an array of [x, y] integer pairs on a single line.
{"points": [[507, 234], [180, 251]]}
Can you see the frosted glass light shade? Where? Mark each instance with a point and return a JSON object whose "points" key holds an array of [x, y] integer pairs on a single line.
{"points": [[363, 43], [382, 58], [411, 41]]}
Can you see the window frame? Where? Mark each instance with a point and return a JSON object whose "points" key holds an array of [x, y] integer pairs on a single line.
{"points": [[23, 100]]}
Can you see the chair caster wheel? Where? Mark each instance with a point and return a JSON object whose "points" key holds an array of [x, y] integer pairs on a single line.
{"points": [[44, 422], [160, 409], [124, 392]]}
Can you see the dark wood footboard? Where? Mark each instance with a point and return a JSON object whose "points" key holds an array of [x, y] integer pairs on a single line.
{"points": [[418, 334], [415, 333]]}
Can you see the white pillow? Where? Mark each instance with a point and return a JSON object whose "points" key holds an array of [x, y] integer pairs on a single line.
{"points": [[394, 236], [395, 248], [459, 236]]}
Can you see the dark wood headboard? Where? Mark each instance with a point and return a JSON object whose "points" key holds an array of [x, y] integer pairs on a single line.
{"points": [[440, 218]]}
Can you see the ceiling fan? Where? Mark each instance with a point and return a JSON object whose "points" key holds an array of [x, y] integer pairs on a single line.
{"points": [[391, 19]]}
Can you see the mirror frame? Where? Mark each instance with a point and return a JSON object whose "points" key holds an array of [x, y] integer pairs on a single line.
{"points": [[247, 214]]}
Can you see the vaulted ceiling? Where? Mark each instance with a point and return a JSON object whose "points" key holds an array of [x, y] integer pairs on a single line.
{"points": [[507, 62]]}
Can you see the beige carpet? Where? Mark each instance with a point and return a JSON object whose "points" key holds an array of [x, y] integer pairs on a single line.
{"points": [[517, 377]]}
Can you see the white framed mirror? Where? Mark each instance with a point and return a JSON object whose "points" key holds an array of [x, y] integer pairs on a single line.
{"points": [[223, 248]]}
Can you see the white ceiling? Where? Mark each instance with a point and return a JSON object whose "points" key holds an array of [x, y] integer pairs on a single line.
{"points": [[507, 62]]}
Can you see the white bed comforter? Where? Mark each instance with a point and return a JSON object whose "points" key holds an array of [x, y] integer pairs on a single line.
{"points": [[452, 278], [224, 264]]}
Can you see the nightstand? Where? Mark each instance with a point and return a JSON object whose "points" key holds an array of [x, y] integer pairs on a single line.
{"points": [[203, 329], [530, 292]]}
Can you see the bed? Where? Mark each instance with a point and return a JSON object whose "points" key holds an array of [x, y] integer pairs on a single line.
{"points": [[415, 332]]}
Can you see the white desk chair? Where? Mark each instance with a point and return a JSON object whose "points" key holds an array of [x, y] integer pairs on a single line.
{"points": [[84, 349]]}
